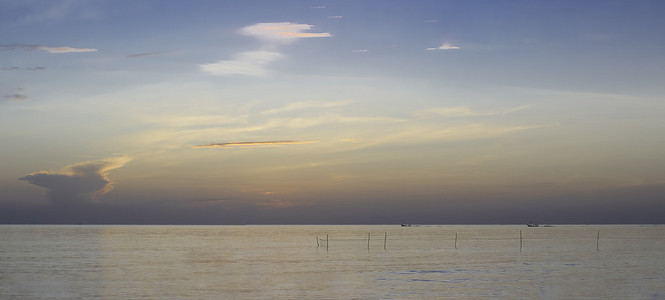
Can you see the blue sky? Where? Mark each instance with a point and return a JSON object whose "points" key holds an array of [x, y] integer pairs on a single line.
{"points": [[279, 111]]}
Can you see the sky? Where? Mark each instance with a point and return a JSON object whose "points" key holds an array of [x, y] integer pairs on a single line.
{"points": [[332, 112]]}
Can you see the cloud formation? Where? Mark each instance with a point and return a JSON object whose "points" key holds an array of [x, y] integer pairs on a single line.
{"points": [[283, 32], [445, 46], [78, 183], [146, 54], [305, 105], [16, 97], [349, 140], [15, 68], [254, 144], [253, 63], [63, 49], [463, 111], [246, 63], [330, 118]]}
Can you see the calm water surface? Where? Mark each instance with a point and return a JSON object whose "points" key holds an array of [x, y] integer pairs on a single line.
{"points": [[295, 262]]}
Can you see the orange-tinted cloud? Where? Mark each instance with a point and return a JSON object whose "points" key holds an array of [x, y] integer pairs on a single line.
{"points": [[254, 144], [78, 183], [281, 32]]}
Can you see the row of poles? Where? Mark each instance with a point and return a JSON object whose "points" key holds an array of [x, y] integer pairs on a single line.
{"points": [[385, 241], [369, 237]]}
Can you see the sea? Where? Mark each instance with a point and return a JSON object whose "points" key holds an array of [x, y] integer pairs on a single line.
{"points": [[332, 262]]}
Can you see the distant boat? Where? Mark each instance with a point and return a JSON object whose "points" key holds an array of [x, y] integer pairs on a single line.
{"points": [[532, 224], [406, 225]]}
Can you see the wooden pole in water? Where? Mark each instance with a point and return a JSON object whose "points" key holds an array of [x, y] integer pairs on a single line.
{"points": [[317, 242], [455, 240], [598, 241], [326, 242], [520, 240], [368, 241], [385, 239]]}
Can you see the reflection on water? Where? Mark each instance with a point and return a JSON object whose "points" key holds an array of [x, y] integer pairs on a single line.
{"points": [[259, 262]]}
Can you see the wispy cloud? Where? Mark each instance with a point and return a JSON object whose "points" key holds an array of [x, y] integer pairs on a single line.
{"points": [[58, 50], [202, 120], [463, 111], [78, 183], [305, 105], [445, 46], [283, 32], [186, 131], [16, 97], [335, 17], [577, 95], [253, 63], [246, 63], [421, 133], [64, 49], [330, 118], [15, 68], [349, 140], [147, 54], [255, 144], [359, 50]]}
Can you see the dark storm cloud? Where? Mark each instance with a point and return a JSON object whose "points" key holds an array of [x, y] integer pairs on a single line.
{"points": [[79, 183]]}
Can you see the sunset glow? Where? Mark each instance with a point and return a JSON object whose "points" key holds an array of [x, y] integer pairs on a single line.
{"points": [[332, 111]]}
